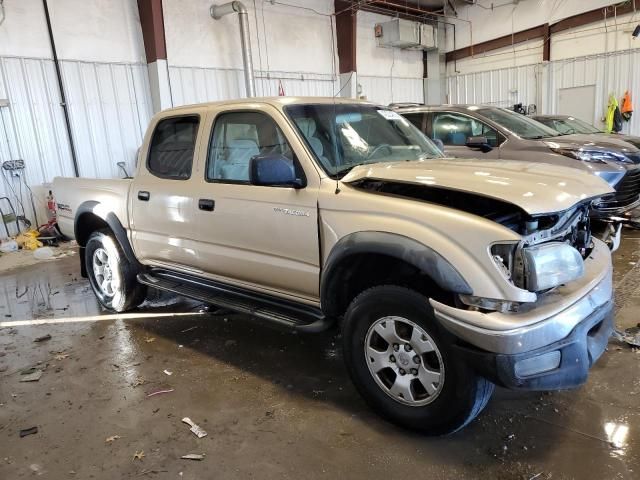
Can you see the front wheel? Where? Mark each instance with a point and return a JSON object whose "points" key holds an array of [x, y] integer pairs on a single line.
{"points": [[112, 276], [404, 366]]}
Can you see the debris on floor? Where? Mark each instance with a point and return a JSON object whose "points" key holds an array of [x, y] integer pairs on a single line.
{"points": [[138, 455], [28, 431], [32, 376], [112, 439], [193, 456], [158, 392], [195, 429], [630, 336], [43, 338], [149, 339], [167, 372]]}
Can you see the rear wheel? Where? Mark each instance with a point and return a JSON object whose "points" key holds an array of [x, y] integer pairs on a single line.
{"points": [[404, 365], [112, 276]]}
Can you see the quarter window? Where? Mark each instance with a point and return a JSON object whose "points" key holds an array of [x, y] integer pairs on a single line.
{"points": [[172, 147], [237, 138], [454, 129]]}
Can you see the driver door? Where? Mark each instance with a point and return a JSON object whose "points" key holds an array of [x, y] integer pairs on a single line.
{"points": [[260, 237]]}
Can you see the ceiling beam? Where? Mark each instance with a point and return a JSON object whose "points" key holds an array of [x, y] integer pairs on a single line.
{"points": [[346, 36], [152, 23], [496, 43]]}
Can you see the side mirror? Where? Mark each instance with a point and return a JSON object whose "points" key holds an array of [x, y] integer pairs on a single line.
{"points": [[479, 142], [273, 170]]}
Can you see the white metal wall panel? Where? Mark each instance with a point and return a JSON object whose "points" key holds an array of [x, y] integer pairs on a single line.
{"points": [[386, 90], [610, 73], [110, 108], [195, 84], [502, 87], [613, 72]]}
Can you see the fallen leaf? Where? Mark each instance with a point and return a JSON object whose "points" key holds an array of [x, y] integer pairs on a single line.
{"points": [[149, 339], [138, 382], [112, 439], [139, 455], [61, 356]]}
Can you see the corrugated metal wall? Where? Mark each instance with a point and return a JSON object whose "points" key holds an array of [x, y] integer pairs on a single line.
{"points": [[109, 104], [386, 90], [502, 87], [610, 73], [194, 84], [539, 84]]}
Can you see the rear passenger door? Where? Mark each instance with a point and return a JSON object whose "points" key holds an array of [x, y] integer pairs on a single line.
{"points": [[160, 197], [454, 129]]}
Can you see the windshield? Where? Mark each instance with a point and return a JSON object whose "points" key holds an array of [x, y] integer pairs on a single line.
{"points": [[522, 126], [569, 125], [343, 136]]}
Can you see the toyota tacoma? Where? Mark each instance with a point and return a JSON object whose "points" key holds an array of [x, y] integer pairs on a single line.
{"points": [[446, 277]]}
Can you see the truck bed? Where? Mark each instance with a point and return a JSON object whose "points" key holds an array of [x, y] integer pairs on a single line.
{"points": [[70, 193]]}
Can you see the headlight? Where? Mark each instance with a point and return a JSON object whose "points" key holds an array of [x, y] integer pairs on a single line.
{"points": [[551, 264], [592, 156]]}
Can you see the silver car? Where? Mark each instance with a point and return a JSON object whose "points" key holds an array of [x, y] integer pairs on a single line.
{"points": [[487, 132], [568, 125]]}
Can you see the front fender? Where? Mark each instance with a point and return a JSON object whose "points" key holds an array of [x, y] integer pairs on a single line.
{"points": [[393, 245]]}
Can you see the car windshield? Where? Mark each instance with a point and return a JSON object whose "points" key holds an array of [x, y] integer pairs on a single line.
{"points": [[342, 136], [516, 123], [569, 125]]}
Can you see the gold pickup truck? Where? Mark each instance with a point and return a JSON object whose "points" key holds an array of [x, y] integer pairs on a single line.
{"points": [[445, 276]]}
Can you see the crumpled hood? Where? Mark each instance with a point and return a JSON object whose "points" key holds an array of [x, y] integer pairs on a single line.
{"points": [[536, 188]]}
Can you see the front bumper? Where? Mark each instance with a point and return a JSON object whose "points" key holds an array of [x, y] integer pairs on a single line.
{"points": [[574, 320]]}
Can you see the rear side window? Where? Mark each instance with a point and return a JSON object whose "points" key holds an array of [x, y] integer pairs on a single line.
{"points": [[172, 147]]}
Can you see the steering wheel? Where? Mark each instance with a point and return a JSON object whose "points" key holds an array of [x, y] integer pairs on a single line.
{"points": [[379, 148]]}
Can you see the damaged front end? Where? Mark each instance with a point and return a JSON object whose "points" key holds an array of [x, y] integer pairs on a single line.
{"points": [[551, 250]]}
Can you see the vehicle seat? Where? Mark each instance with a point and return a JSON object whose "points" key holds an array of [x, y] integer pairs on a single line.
{"points": [[456, 138], [308, 128]]}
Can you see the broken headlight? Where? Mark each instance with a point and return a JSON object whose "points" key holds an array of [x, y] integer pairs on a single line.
{"points": [[551, 264]]}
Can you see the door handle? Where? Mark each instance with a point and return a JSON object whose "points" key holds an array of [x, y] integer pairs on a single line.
{"points": [[206, 204], [144, 196]]}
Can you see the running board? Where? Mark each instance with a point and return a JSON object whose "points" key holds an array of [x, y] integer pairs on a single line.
{"points": [[300, 317]]}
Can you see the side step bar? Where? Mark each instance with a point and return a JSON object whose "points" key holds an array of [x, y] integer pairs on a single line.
{"points": [[300, 317]]}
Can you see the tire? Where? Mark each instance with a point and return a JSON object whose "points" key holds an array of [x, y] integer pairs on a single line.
{"points": [[112, 276], [438, 393]]}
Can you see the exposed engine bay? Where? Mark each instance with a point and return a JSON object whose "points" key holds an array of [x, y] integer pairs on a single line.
{"points": [[571, 226], [539, 233]]}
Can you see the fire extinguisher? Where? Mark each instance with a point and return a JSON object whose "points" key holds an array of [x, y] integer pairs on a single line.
{"points": [[51, 207]]}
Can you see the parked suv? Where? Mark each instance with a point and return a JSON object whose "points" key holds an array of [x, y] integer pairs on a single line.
{"points": [[487, 132], [445, 276], [568, 125]]}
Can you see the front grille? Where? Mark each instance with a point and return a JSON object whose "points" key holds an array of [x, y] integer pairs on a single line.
{"points": [[627, 194]]}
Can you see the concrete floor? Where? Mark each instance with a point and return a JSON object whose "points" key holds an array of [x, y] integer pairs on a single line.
{"points": [[275, 405]]}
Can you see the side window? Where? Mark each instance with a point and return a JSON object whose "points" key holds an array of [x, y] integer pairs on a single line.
{"points": [[418, 119], [454, 129], [237, 138], [172, 147]]}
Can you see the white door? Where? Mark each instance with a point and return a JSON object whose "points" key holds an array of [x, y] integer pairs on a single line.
{"points": [[579, 102]]}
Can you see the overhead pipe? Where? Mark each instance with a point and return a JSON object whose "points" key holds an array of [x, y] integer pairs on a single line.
{"points": [[219, 11]]}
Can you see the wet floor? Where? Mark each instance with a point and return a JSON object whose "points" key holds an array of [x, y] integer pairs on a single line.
{"points": [[275, 405]]}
